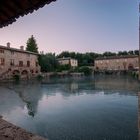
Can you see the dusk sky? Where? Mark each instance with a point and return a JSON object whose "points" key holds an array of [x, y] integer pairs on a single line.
{"points": [[78, 25]]}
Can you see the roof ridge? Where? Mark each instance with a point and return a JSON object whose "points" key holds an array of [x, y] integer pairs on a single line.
{"points": [[17, 49]]}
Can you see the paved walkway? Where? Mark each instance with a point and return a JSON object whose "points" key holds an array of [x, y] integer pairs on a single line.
{"points": [[9, 131]]}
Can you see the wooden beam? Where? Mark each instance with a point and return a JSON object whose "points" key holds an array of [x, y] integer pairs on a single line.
{"points": [[10, 10]]}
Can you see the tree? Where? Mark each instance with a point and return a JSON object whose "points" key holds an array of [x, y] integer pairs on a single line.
{"points": [[120, 53], [136, 52], [131, 52], [48, 62], [64, 54], [86, 70], [106, 54], [32, 45]]}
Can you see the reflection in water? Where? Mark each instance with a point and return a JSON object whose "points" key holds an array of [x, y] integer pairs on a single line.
{"points": [[29, 94], [70, 109], [138, 115]]}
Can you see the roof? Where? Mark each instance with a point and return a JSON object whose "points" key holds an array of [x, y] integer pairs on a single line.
{"points": [[65, 58], [17, 50], [10, 10], [116, 57]]}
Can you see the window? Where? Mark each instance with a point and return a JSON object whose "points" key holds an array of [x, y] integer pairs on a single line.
{"points": [[12, 52], [28, 63], [12, 62], [32, 71], [36, 64], [1, 51], [2, 61], [20, 63]]}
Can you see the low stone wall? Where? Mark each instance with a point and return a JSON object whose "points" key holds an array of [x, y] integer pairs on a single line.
{"points": [[9, 131]]}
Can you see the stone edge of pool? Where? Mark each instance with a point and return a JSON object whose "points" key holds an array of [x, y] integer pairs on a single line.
{"points": [[9, 131]]}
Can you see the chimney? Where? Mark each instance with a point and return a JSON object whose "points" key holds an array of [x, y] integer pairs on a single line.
{"points": [[8, 45], [22, 48]]}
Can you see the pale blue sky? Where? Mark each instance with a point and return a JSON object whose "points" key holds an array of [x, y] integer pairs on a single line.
{"points": [[78, 25]]}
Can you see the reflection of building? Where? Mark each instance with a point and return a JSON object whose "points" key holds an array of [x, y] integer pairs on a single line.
{"points": [[68, 61], [31, 96], [74, 86], [129, 62], [116, 83], [17, 61]]}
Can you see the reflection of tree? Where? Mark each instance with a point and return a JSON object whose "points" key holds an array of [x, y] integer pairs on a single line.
{"points": [[31, 109], [30, 94]]}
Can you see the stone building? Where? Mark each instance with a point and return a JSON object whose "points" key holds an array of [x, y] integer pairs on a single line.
{"points": [[129, 62], [18, 62], [68, 61]]}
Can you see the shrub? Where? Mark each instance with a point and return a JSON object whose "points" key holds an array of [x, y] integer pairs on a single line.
{"points": [[86, 70], [39, 77]]}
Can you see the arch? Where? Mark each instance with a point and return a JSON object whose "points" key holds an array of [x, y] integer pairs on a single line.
{"points": [[130, 66], [24, 72], [97, 68], [16, 72]]}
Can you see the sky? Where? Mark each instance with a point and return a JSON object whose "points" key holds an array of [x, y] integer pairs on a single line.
{"points": [[78, 25]]}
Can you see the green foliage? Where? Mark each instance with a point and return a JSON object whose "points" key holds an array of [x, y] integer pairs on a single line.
{"points": [[61, 68], [48, 62], [135, 74], [131, 52], [39, 77], [120, 53], [86, 70], [84, 59], [16, 77], [109, 54], [136, 52], [32, 45]]}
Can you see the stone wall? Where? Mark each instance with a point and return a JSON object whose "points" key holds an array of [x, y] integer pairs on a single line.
{"points": [[68, 61], [11, 64], [117, 64]]}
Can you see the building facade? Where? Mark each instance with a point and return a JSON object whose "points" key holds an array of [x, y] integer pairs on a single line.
{"points": [[129, 62], [18, 62], [68, 61]]}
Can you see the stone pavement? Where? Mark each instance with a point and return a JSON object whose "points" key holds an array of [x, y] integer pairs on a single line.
{"points": [[9, 131]]}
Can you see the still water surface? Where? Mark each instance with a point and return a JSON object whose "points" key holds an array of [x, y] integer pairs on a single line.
{"points": [[100, 108]]}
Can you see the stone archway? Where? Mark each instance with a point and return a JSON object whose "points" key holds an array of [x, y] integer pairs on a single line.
{"points": [[16, 72], [130, 67], [24, 72]]}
